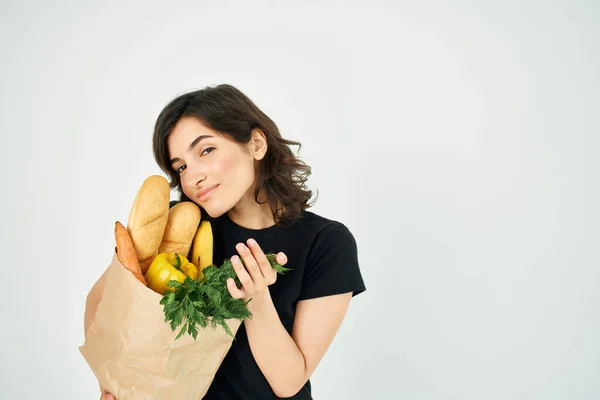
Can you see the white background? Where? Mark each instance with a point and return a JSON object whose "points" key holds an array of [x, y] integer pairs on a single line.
{"points": [[457, 140]]}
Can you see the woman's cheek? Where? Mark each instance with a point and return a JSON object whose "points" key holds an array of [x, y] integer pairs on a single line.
{"points": [[221, 167], [189, 192]]}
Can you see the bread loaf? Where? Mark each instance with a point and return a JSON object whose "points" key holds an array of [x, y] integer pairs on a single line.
{"points": [[148, 218], [183, 220]]}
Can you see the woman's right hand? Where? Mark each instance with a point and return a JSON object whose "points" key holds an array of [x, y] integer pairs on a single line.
{"points": [[107, 396]]}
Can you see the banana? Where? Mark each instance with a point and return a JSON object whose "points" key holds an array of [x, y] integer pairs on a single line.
{"points": [[202, 246]]}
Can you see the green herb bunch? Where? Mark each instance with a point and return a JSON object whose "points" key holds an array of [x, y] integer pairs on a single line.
{"points": [[196, 303]]}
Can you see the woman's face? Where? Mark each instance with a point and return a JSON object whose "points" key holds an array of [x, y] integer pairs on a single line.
{"points": [[216, 172]]}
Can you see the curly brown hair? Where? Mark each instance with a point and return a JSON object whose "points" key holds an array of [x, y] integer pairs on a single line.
{"points": [[225, 109]]}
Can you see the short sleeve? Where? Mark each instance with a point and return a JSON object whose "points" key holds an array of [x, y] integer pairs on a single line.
{"points": [[332, 265]]}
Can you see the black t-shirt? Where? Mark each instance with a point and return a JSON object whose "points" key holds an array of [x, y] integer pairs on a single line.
{"points": [[323, 258]]}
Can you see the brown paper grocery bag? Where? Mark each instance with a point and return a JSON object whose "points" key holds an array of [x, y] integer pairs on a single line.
{"points": [[133, 352]]}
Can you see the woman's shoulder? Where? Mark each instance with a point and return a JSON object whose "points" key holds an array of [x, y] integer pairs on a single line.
{"points": [[319, 219], [324, 226], [333, 253]]}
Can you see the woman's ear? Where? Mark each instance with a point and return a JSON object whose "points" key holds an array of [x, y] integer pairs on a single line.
{"points": [[258, 144]]}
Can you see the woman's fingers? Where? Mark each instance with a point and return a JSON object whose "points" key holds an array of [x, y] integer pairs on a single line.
{"points": [[255, 273], [266, 270], [242, 274], [235, 292], [251, 263], [281, 258]]}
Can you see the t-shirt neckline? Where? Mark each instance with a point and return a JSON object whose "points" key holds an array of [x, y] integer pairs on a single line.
{"points": [[241, 228]]}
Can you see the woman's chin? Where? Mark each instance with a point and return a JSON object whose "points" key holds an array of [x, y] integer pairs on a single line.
{"points": [[206, 208], [213, 212]]}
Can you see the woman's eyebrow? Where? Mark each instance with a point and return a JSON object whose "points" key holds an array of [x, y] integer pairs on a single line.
{"points": [[192, 145]]}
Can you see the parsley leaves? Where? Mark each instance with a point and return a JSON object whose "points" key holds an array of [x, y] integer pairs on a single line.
{"points": [[195, 304]]}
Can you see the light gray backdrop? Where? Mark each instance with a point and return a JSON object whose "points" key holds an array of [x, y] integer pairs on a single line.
{"points": [[457, 140]]}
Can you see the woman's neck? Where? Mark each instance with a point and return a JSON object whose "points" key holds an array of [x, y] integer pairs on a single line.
{"points": [[250, 214]]}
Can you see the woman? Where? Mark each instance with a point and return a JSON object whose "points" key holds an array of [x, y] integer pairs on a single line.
{"points": [[223, 153]]}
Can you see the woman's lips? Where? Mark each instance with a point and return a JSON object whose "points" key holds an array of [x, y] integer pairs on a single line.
{"points": [[205, 194]]}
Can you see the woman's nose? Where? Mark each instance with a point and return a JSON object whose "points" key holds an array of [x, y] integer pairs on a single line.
{"points": [[195, 173], [199, 181], [195, 178]]}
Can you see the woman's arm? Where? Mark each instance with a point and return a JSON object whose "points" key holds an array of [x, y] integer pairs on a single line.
{"points": [[287, 362]]}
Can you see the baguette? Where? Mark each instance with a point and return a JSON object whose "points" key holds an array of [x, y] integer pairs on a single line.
{"points": [[126, 253], [148, 218], [183, 220]]}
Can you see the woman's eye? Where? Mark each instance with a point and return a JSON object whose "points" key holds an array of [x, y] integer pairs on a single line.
{"points": [[180, 169], [206, 151]]}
